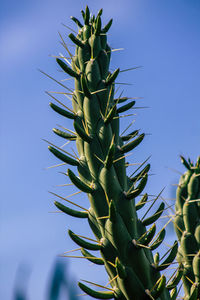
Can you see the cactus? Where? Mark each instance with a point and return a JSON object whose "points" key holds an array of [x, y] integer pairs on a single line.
{"points": [[124, 242], [58, 283], [187, 227]]}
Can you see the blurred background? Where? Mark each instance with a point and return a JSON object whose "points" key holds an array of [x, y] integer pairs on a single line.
{"points": [[163, 38]]}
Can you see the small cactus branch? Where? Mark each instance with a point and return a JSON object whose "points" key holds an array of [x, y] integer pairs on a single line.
{"points": [[187, 227]]}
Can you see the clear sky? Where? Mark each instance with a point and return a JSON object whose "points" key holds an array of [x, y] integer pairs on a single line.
{"points": [[162, 36]]}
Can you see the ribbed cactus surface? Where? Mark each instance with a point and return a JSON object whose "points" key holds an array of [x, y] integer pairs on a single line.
{"points": [[122, 239], [187, 226]]}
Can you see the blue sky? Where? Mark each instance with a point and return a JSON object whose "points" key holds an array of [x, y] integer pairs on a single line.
{"points": [[163, 38]]}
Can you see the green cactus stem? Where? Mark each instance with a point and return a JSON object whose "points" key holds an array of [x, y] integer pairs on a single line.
{"points": [[187, 227], [122, 239]]}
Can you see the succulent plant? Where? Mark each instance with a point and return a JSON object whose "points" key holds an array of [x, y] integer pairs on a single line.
{"points": [[58, 285], [187, 227], [125, 242]]}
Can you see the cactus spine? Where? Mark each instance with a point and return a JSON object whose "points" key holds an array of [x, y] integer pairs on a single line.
{"points": [[124, 242], [187, 227]]}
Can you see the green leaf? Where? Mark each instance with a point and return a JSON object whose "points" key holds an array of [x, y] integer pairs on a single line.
{"points": [[131, 145], [62, 112], [64, 134], [71, 212], [82, 243], [170, 258], [79, 183], [155, 217], [67, 69], [63, 157], [76, 41], [92, 258], [95, 294], [107, 27]]}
